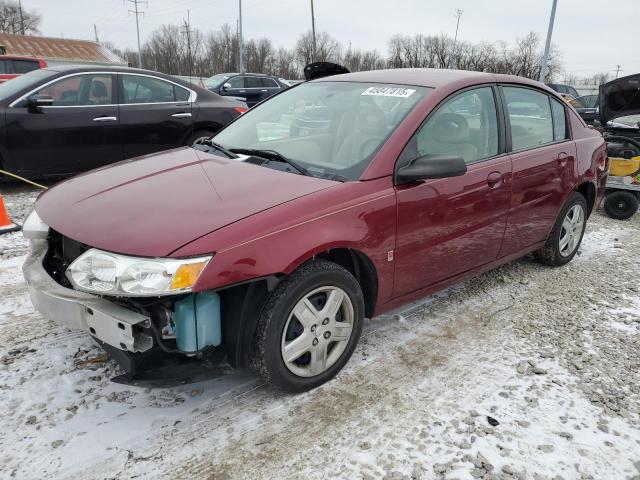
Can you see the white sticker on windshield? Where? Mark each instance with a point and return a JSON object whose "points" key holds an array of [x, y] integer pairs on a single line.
{"points": [[389, 92]]}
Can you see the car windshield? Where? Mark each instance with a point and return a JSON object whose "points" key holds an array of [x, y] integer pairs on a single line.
{"points": [[11, 87], [216, 80], [329, 128]]}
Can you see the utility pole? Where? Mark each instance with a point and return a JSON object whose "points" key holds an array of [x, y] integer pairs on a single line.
{"points": [[458, 14], [618, 70], [187, 31], [313, 33], [240, 46], [21, 17], [138, 12], [547, 45], [95, 30]]}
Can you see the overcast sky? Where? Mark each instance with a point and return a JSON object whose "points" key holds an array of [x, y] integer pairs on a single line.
{"points": [[592, 35]]}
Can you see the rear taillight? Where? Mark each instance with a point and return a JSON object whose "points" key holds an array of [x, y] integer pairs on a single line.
{"points": [[602, 163], [240, 110]]}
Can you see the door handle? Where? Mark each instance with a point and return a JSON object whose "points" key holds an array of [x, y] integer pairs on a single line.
{"points": [[181, 115], [562, 158], [105, 119], [263, 90], [494, 179]]}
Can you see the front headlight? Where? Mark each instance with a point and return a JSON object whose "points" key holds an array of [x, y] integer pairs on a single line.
{"points": [[113, 274]]}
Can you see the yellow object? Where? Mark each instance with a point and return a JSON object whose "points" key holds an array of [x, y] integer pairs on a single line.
{"points": [[621, 167], [23, 179], [186, 275]]}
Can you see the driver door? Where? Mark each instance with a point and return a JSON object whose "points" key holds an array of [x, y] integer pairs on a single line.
{"points": [[79, 131], [448, 226]]}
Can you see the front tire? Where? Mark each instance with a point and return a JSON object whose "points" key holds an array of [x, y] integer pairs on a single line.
{"points": [[566, 236], [309, 327], [621, 204]]}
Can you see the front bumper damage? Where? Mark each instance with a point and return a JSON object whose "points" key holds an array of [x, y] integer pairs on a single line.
{"points": [[104, 320], [125, 334]]}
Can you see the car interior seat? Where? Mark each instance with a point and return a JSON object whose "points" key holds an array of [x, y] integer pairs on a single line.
{"points": [[99, 92], [448, 133], [362, 133]]}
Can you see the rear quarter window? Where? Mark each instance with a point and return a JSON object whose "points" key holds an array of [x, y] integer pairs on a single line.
{"points": [[25, 66]]}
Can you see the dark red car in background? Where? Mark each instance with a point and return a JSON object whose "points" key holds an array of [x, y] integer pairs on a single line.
{"points": [[12, 66], [272, 245]]}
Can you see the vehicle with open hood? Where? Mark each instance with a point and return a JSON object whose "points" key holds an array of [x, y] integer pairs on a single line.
{"points": [[619, 110], [269, 244]]}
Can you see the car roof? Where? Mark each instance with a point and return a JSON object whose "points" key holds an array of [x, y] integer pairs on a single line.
{"points": [[18, 57], [120, 69], [429, 77]]}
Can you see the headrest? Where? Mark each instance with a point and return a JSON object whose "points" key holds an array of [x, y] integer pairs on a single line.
{"points": [[99, 89], [371, 120], [450, 128]]}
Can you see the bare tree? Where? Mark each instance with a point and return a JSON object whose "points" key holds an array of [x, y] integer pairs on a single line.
{"points": [[17, 22]]}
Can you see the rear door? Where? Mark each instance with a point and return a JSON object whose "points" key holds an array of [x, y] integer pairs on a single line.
{"points": [[78, 132], [451, 225], [269, 87], [543, 158], [155, 114]]}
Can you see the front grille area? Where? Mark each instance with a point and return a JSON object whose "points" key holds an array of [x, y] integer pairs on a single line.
{"points": [[61, 253]]}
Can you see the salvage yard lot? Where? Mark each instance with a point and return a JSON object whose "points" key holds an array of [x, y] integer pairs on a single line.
{"points": [[523, 372]]}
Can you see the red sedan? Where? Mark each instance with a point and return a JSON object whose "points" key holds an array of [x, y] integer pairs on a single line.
{"points": [[336, 200]]}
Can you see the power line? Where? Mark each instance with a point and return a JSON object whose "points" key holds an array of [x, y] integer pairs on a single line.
{"points": [[137, 13]]}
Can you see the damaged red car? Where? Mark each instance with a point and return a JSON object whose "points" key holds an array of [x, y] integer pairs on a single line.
{"points": [[340, 198]]}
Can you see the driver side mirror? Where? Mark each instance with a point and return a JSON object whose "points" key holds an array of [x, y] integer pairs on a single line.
{"points": [[37, 101], [226, 87], [431, 166]]}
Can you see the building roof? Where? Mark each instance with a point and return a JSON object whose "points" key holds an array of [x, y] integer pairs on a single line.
{"points": [[61, 49]]}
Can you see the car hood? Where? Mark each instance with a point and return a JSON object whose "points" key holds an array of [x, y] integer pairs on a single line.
{"points": [[151, 206], [619, 98]]}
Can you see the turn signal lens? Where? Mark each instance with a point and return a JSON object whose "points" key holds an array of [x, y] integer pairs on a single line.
{"points": [[186, 275], [241, 110]]}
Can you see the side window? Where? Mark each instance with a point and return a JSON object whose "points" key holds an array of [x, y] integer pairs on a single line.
{"points": [[5, 66], [559, 120], [140, 89], [268, 83], [182, 94], [530, 117], [80, 90], [237, 82], [252, 82], [24, 66], [466, 125]]}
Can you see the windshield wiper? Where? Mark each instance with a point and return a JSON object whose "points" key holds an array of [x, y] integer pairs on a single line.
{"points": [[272, 155], [216, 146]]}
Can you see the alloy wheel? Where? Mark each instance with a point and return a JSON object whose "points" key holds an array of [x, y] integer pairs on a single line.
{"points": [[571, 231], [317, 331]]}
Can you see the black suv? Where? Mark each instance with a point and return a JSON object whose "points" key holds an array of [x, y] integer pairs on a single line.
{"points": [[253, 87]]}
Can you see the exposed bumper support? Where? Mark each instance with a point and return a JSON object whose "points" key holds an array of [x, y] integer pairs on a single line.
{"points": [[104, 320]]}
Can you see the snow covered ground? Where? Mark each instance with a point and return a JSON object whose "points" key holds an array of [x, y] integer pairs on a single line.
{"points": [[524, 372]]}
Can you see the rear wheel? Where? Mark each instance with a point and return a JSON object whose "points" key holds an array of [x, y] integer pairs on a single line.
{"points": [[621, 204], [309, 327], [198, 136], [567, 233]]}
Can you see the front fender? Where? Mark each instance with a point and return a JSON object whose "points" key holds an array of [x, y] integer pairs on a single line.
{"points": [[361, 216]]}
